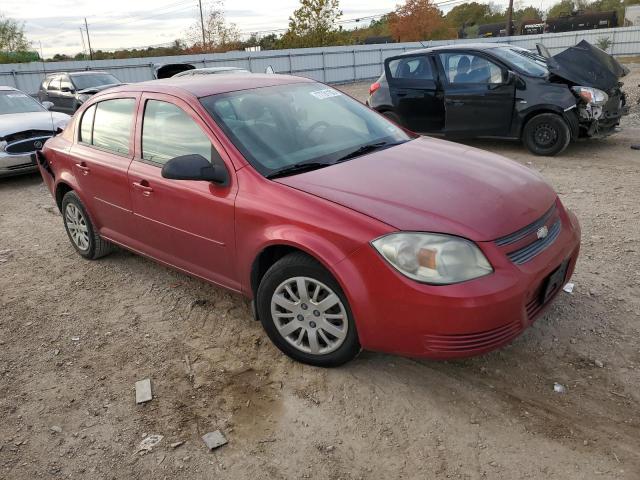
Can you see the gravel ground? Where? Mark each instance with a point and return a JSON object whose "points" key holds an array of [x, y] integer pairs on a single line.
{"points": [[75, 336]]}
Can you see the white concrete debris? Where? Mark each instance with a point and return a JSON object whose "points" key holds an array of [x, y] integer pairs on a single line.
{"points": [[143, 391], [214, 440]]}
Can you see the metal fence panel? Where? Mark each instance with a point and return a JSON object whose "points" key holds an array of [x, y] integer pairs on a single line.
{"points": [[339, 64]]}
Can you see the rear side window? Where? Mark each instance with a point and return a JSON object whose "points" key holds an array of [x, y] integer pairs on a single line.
{"points": [[54, 84], [86, 125], [411, 68], [168, 132], [111, 125], [65, 83]]}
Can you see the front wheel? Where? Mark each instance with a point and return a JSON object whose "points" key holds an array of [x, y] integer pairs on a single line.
{"points": [[305, 313], [546, 134]]}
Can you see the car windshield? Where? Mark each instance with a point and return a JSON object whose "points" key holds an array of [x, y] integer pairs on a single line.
{"points": [[94, 80], [525, 61], [13, 101], [280, 127]]}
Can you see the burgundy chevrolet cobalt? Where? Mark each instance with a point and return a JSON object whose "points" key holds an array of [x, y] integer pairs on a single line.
{"points": [[346, 231]]}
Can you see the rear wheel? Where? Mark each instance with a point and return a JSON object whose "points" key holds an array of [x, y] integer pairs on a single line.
{"points": [[81, 231], [305, 313], [546, 134]]}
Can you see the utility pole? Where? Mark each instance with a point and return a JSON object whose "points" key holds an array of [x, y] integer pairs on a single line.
{"points": [[86, 26], [201, 23], [84, 48], [510, 19]]}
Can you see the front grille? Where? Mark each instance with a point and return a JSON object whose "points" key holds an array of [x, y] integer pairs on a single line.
{"points": [[473, 341], [528, 230], [26, 146], [523, 255], [22, 165], [26, 134]]}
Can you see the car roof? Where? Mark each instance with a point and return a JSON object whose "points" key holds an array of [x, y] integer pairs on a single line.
{"points": [[53, 74], [216, 69], [205, 85], [458, 46]]}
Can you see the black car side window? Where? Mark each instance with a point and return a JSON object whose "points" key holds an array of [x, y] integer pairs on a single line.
{"points": [[467, 68], [411, 68], [54, 85]]}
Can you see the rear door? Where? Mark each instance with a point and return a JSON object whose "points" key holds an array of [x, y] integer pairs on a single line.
{"points": [[101, 159], [187, 224], [478, 94], [415, 92]]}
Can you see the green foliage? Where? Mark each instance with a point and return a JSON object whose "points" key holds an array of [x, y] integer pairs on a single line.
{"points": [[19, 57], [313, 24], [604, 43], [14, 47]]}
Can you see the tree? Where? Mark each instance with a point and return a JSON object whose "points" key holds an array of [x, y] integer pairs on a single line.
{"points": [[313, 24], [468, 14], [218, 34], [12, 36], [417, 20]]}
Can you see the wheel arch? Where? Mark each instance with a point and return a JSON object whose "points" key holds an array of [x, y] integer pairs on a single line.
{"points": [[62, 188], [568, 116]]}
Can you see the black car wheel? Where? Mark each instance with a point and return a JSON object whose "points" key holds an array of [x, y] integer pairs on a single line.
{"points": [[546, 134], [305, 313]]}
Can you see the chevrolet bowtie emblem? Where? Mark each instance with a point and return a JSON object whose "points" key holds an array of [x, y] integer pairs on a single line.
{"points": [[542, 232]]}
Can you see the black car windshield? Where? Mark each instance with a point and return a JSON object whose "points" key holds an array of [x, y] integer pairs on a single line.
{"points": [[523, 60], [94, 80], [13, 101], [279, 127]]}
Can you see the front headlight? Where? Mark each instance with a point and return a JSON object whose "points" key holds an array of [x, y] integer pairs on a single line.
{"points": [[433, 258], [591, 96]]}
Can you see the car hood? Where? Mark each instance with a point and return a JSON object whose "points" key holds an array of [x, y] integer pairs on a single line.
{"points": [[97, 88], [436, 186], [587, 66], [19, 122]]}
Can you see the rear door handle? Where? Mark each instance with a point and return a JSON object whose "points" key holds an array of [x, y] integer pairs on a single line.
{"points": [[143, 186], [83, 168]]}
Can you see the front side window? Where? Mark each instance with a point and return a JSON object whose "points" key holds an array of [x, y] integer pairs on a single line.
{"points": [[65, 83], [112, 125], [282, 126], [169, 132], [466, 68], [417, 68]]}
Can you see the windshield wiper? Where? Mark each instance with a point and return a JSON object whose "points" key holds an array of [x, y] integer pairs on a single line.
{"points": [[297, 168], [368, 148]]}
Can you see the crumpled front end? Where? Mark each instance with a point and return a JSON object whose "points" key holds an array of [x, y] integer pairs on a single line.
{"points": [[602, 119]]}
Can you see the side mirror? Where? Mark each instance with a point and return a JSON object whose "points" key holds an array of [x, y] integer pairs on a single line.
{"points": [[67, 90], [47, 105], [195, 167]]}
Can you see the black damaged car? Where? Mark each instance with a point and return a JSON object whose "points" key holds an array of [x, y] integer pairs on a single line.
{"points": [[67, 91], [502, 91]]}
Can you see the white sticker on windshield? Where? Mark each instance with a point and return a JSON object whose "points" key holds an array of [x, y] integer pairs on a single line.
{"points": [[326, 93], [16, 95]]}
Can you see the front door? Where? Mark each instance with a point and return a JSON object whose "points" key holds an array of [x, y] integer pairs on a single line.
{"points": [[66, 96], [415, 92], [187, 224], [478, 95], [101, 158]]}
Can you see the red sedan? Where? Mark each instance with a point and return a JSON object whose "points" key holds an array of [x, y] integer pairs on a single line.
{"points": [[346, 231]]}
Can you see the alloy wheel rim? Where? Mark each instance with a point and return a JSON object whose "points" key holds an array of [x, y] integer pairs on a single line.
{"points": [[77, 226], [309, 315]]}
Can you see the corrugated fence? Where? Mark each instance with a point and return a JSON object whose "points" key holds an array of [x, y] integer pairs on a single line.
{"points": [[326, 64]]}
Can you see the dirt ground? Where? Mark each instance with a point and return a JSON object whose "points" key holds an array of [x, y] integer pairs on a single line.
{"points": [[76, 335]]}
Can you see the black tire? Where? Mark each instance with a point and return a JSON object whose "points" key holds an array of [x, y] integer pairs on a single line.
{"points": [[301, 265], [96, 247], [546, 134], [393, 117]]}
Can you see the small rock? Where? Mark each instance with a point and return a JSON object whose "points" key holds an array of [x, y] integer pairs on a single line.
{"points": [[56, 429], [569, 287], [558, 388], [573, 341], [176, 444], [330, 448], [148, 443], [441, 447], [598, 363], [585, 443], [56, 352], [214, 440], [75, 339], [493, 464]]}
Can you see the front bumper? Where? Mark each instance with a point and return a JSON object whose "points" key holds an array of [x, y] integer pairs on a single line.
{"points": [[17, 164], [397, 315]]}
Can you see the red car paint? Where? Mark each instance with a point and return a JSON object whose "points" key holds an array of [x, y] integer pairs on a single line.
{"points": [[217, 233]]}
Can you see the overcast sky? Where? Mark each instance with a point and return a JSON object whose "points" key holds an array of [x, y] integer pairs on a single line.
{"points": [[132, 23]]}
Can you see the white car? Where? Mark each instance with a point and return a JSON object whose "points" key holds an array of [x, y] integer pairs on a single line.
{"points": [[25, 124]]}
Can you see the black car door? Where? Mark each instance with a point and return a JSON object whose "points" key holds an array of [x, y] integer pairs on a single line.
{"points": [[53, 94], [415, 92], [479, 94], [67, 95]]}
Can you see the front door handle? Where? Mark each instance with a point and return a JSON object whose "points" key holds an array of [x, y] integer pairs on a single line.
{"points": [[454, 103], [83, 168], [143, 186]]}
